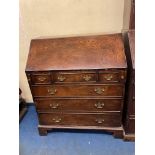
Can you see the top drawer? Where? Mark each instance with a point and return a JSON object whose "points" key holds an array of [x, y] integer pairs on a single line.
{"points": [[102, 76], [41, 78], [112, 76], [62, 77], [74, 76]]}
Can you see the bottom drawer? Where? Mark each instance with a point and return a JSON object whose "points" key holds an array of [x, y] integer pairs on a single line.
{"points": [[82, 119]]}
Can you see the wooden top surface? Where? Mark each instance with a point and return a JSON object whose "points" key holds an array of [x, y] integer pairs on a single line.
{"points": [[76, 53], [131, 35]]}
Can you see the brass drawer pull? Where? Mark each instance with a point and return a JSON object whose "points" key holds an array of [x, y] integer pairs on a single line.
{"points": [[41, 79], [54, 106], [87, 77], [99, 105], [99, 90], [99, 121], [56, 120], [122, 77], [108, 77], [29, 79], [61, 78], [52, 91]]}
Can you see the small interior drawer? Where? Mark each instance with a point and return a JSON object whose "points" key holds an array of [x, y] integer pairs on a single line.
{"points": [[75, 76], [114, 76], [41, 78]]}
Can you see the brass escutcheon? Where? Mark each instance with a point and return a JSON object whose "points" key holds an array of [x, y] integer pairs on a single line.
{"points": [[99, 120], [99, 105], [86, 77], [61, 78], [54, 105], [108, 77], [56, 119], [51, 91], [99, 90], [41, 79]]}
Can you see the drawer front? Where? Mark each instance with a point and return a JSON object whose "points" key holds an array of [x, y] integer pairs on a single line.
{"points": [[63, 77], [77, 90], [105, 120], [79, 105], [41, 78], [108, 77]]}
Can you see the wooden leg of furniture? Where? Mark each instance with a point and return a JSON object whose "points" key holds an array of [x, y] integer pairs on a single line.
{"points": [[118, 134], [129, 137], [42, 131]]}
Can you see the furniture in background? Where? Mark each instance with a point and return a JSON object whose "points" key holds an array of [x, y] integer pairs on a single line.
{"points": [[22, 106], [78, 82], [132, 15], [129, 15], [129, 107]]}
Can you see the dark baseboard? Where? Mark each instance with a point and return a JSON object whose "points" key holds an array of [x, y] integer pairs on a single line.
{"points": [[29, 104], [22, 113], [24, 110]]}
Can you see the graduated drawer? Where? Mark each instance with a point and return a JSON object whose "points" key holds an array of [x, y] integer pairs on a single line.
{"points": [[102, 76], [73, 90], [112, 76], [74, 76], [81, 119], [40, 78], [73, 104]]}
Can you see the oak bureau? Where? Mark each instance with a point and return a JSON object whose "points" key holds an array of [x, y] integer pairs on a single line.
{"points": [[78, 82]]}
